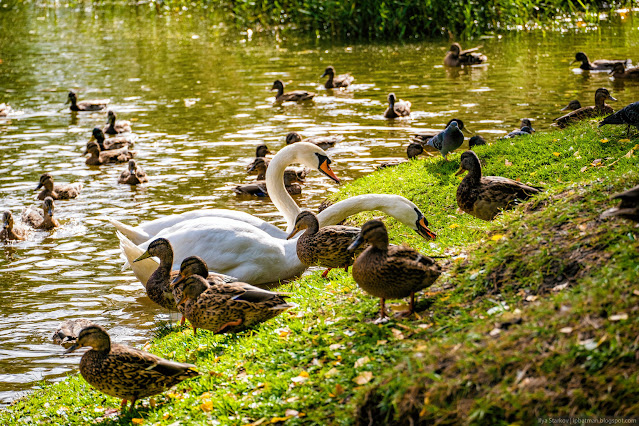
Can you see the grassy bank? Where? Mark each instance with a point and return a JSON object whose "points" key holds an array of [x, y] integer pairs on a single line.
{"points": [[536, 314]]}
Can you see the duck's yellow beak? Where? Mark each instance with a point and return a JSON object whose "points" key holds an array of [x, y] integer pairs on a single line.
{"points": [[460, 171], [292, 234], [146, 255]]}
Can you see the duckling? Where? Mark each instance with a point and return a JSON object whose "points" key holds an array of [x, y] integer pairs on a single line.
{"points": [[485, 197], [124, 372], [598, 65], [448, 140], [109, 144], [396, 108], [295, 96], [389, 271], [260, 153], [326, 247], [457, 57], [41, 219], [572, 106], [324, 142], [424, 137], [629, 206], [67, 333], [628, 115], [115, 126], [92, 105], [59, 191], [229, 307], [475, 141], [333, 82], [619, 71], [413, 150], [600, 108], [525, 129], [258, 188], [134, 175], [9, 232], [99, 157]]}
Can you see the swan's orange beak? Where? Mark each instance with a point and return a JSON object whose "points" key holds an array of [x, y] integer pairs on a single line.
{"points": [[423, 230], [326, 169]]}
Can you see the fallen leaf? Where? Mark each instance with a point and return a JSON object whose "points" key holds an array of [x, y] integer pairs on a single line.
{"points": [[280, 419], [619, 317], [624, 140], [383, 342], [397, 334], [495, 332], [604, 140], [497, 237], [362, 361], [332, 372], [291, 413], [583, 169], [507, 163], [137, 421], [206, 406], [596, 162], [630, 153], [165, 416], [363, 378], [566, 330], [453, 226], [560, 287], [335, 346], [635, 292], [556, 154], [339, 389], [283, 332], [301, 378]]}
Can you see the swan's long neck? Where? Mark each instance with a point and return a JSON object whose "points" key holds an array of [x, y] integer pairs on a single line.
{"points": [[387, 203], [275, 185]]}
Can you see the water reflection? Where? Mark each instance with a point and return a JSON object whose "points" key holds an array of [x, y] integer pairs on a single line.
{"points": [[199, 104]]}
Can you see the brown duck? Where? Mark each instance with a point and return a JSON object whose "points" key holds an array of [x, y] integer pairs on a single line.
{"points": [[324, 142], [629, 206], [292, 179], [326, 247], [396, 108], [92, 105], [572, 106], [68, 331], [58, 191], [228, 307], [116, 142], [157, 286], [133, 175], [115, 126], [99, 157], [336, 81], [294, 96], [600, 108], [260, 153], [619, 71], [124, 372], [485, 197], [9, 231], [599, 64], [41, 219], [389, 271], [457, 57]]}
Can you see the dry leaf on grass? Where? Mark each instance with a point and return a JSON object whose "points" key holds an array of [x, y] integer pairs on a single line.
{"points": [[363, 378]]}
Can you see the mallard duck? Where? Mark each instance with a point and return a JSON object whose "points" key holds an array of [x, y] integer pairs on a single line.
{"points": [[475, 141], [326, 247], [628, 115], [59, 191], [324, 142], [448, 140], [133, 175], [99, 157], [389, 271], [333, 82], [457, 57], [157, 286], [598, 65], [424, 137], [92, 105], [295, 96], [229, 307], [413, 150], [260, 154], [68, 331], [600, 108], [41, 219], [485, 197], [629, 206], [9, 231], [260, 166], [396, 108], [258, 188], [115, 126], [572, 106], [619, 71], [125, 372], [109, 144], [525, 129]]}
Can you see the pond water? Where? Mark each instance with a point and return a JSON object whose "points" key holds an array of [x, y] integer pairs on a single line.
{"points": [[199, 103]]}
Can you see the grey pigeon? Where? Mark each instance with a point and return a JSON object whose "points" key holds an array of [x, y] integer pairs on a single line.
{"points": [[628, 115], [448, 140]]}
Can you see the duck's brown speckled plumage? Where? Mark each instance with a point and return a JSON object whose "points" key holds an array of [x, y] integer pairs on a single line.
{"points": [[115, 126], [9, 231], [485, 197], [229, 307], [133, 174], [292, 178], [99, 157], [157, 286], [396, 108], [326, 247], [90, 105], [600, 108], [295, 95], [628, 207], [456, 57], [336, 81], [324, 142], [58, 191], [388, 271], [41, 218], [620, 71], [124, 372], [68, 332], [260, 156], [109, 144]]}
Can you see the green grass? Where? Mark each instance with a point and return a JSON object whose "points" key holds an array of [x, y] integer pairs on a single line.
{"points": [[562, 347]]}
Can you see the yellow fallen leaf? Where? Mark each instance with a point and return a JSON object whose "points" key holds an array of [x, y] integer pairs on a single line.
{"points": [[363, 378], [206, 406], [137, 421], [165, 416], [497, 237], [453, 226], [629, 153], [556, 154], [301, 378], [383, 342], [362, 361], [304, 374], [624, 140], [280, 419], [205, 395], [604, 141]]}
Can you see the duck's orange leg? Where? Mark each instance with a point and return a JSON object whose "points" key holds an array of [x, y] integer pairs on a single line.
{"points": [[325, 273]]}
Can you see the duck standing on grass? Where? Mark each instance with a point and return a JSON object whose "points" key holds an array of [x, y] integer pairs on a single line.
{"points": [[628, 115], [336, 81], [629, 206], [57, 191], [125, 372], [396, 108], [9, 232], [228, 307], [525, 129], [389, 271], [457, 57], [600, 108], [485, 197]]}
